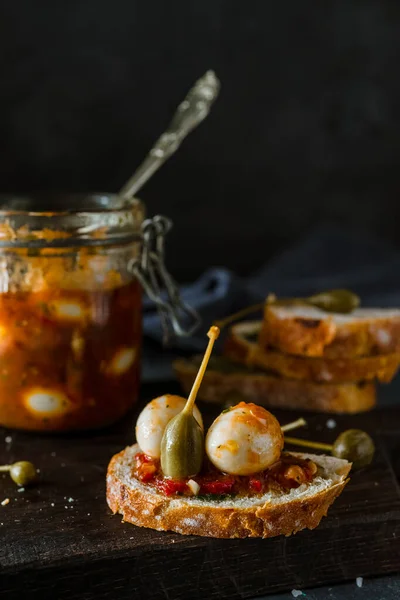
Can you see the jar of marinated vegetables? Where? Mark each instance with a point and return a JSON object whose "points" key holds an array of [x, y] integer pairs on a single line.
{"points": [[70, 309]]}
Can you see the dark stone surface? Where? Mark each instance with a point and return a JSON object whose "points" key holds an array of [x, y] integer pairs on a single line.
{"points": [[306, 128]]}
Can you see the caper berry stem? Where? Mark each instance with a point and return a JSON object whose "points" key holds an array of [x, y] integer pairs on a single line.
{"points": [[308, 444], [294, 425], [353, 445], [213, 334], [239, 315], [5, 468]]}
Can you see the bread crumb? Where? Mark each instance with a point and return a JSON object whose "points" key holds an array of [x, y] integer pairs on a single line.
{"points": [[52, 504], [331, 423], [359, 582], [8, 439], [70, 499], [296, 593], [21, 489], [5, 501]]}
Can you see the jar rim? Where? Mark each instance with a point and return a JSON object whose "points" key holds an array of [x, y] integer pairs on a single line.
{"points": [[63, 203], [65, 220]]}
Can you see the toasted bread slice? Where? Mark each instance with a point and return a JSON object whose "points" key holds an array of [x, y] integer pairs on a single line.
{"points": [[309, 331], [263, 516], [241, 346], [226, 382]]}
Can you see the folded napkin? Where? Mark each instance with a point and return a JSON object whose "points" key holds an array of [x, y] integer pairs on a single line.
{"points": [[330, 257]]}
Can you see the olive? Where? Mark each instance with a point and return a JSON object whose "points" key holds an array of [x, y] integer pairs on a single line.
{"points": [[23, 472], [182, 447], [340, 301], [356, 446]]}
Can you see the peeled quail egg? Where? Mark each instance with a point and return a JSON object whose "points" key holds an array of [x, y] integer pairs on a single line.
{"points": [[154, 418], [68, 310], [46, 402], [122, 360], [243, 440]]}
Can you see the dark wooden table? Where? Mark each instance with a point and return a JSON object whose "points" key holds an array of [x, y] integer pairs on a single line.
{"points": [[59, 540]]}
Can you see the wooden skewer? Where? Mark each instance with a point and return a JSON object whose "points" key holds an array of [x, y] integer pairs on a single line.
{"points": [[213, 334], [308, 444], [294, 425]]}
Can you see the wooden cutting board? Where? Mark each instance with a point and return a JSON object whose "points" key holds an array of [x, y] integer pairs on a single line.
{"points": [[59, 540]]}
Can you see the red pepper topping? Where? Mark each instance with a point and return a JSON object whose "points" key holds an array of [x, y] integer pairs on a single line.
{"points": [[255, 484], [224, 486], [143, 458], [145, 467], [146, 472], [288, 473], [171, 486]]}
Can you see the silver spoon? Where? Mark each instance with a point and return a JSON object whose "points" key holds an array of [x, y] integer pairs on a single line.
{"points": [[190, 113]]}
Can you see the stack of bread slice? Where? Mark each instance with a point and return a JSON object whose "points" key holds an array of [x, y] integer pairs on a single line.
{"points": [[303, 357]]}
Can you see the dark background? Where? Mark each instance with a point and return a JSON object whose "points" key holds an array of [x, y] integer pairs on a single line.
{"points": [[306, 128]]}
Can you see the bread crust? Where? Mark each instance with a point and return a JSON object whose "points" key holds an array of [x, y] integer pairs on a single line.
{"points": [[321, 369], [140, 505], [268, 390], [325, 336]]}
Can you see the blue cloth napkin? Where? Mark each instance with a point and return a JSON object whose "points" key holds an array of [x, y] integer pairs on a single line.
{"points": [[330, 257]]}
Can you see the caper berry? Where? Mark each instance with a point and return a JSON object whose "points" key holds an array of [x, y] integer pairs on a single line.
{"points": [[355, 446], [182, 447], [23, 472], [340, 301]]}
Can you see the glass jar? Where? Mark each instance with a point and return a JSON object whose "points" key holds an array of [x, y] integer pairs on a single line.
{"points": [[70, 311]]}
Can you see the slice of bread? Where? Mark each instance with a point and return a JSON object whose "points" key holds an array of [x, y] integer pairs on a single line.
{"points": [[263, 516], [241, 346], [309, 331], [226, 382]]}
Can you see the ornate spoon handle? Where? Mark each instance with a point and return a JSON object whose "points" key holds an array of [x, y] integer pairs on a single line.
{"points": [[188, 115]]}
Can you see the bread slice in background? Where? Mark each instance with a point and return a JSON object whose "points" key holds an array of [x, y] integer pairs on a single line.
{"points": [[224, 381], [309, 331], [241, 346], [263, 516]]}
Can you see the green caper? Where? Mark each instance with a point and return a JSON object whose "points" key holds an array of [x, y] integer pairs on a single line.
{"points": [[182, 447], [23, 472], [355, 446], [340, 301]]}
